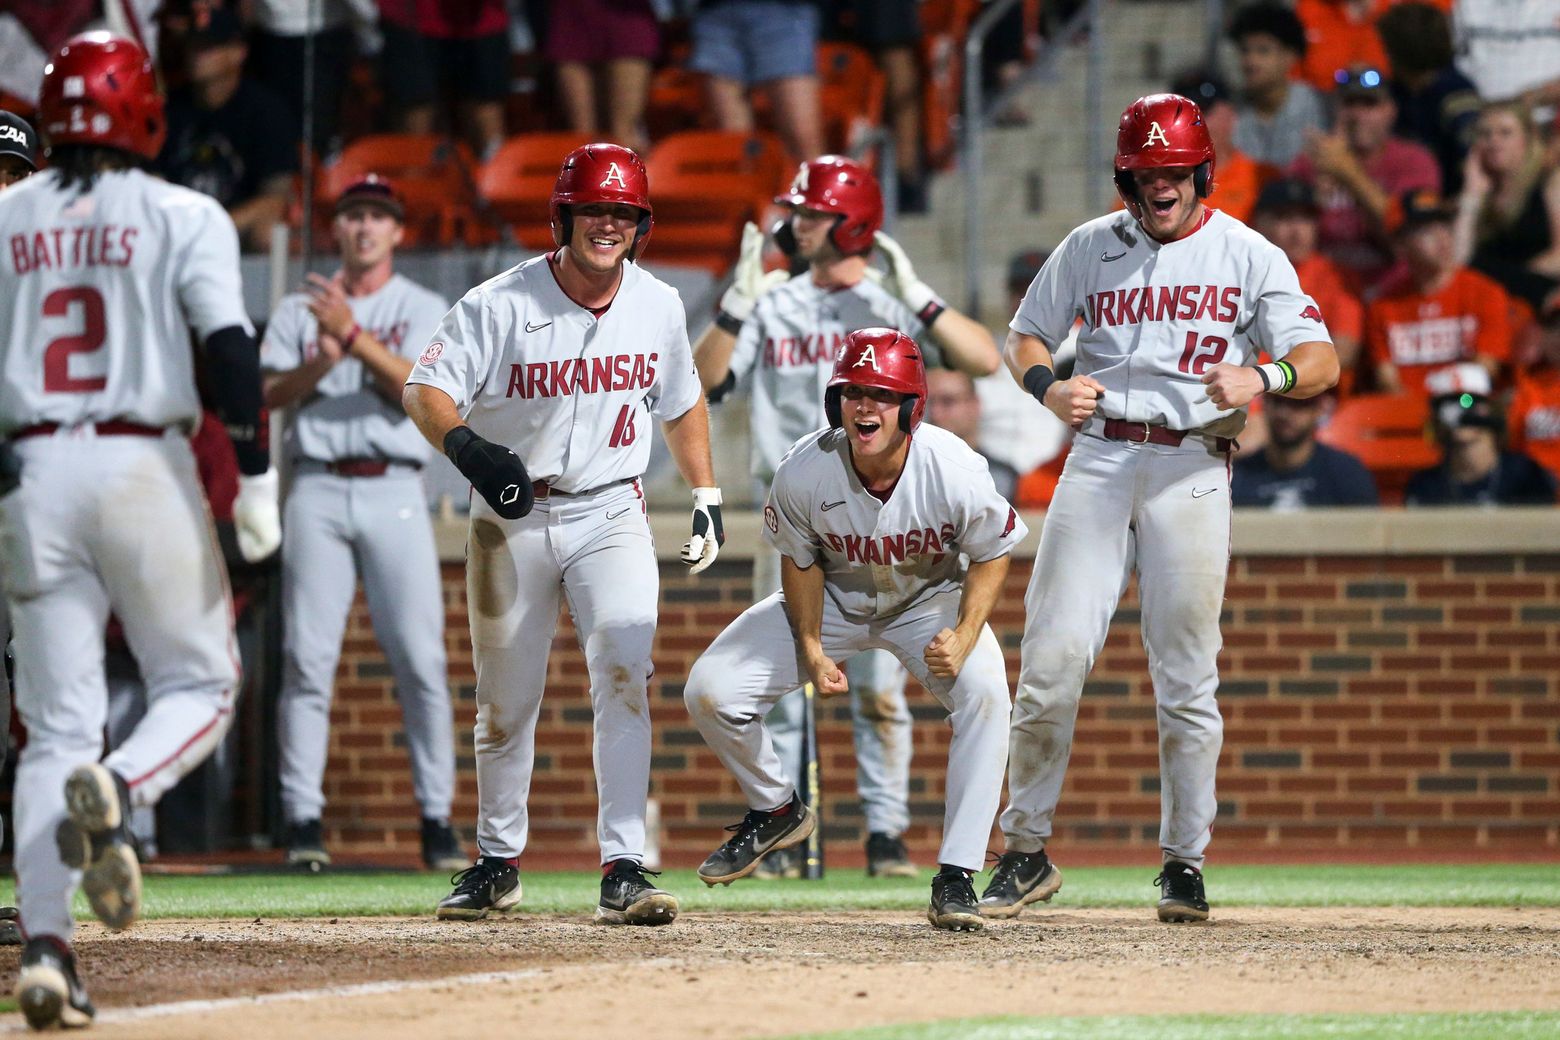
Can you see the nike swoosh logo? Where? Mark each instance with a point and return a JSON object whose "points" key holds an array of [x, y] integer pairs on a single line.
{"points": [[1200, 492], [1107, 258], [536, 328], [620, 512], [830, 505]]}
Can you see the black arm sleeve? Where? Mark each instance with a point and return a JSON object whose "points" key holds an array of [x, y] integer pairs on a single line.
{"points": [[237, 398]]}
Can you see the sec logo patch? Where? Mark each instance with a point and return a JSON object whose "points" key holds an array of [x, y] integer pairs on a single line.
{"points": [[771, 519], [432, 354]]}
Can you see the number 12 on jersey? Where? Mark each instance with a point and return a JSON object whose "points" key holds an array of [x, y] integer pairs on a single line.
{"points": [[1198, 357]]}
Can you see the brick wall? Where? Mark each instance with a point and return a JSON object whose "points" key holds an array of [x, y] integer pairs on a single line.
{"points": [[1373, 705]]}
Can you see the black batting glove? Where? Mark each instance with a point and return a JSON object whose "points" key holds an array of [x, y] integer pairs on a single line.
{"points": [[496, 472]]}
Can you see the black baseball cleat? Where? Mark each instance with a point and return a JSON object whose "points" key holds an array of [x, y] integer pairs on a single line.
{"points": [[953, 905], [95, 839], [440, 847], [759, 834], [1181, 897], [627, 897], [491, 883], [1018, 879], [48, 992], [306, 846], [888, 857]]}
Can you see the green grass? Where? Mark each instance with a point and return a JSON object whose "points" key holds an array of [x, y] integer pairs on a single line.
{"points": [[1512, 1025], [415, 894]]}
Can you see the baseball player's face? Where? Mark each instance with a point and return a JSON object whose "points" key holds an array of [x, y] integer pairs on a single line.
{"points": [[603, 235], [1167, 200], [367, 236], [12, 169], [811, 228], [871, 418]]}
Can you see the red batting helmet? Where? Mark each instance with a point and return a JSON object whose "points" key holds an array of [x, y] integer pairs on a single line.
{"points": [[881, 358], [835, 184], [99, 89], [1163, 130], [606, 173]]}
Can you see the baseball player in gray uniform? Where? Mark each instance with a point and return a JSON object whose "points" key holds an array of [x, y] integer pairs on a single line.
{"points": [[780, 336], [107, 271], [340, 352], [558, 366], [892, 536], [18, 160], [1177, 301]]}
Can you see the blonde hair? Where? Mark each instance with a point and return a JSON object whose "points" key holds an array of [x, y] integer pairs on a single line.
{"points": [[1502, 208]]}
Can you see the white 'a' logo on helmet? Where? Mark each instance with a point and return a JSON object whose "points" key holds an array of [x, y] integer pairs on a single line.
{"points": [[614, 174], [868, 357], [799, 186], [1156, 135]]}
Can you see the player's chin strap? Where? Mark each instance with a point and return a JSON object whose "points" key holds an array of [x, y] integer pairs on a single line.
{"points": [[708, 535]]}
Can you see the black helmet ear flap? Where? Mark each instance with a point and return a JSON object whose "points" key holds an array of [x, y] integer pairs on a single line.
{"points": [[785, 238], [1126, 185], [906, 412], [1202, 179], [831, 407]]}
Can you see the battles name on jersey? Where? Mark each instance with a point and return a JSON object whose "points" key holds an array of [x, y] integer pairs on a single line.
{"points": [[787, 348], [84, 321], [1157, 316], [880, 558], [572, 394]]}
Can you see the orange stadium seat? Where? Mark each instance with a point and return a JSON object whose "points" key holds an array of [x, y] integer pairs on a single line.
{"points": [[1389, 433], [704, 184], [850, 94], [432, 174], [518, 181], [676, 102]]}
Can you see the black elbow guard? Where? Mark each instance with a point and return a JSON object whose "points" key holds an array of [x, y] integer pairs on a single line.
{"points": [[237, 398]]}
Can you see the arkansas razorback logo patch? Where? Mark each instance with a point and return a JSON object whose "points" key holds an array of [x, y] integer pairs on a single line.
{"points": [[1012, 522], [1312, 312]]}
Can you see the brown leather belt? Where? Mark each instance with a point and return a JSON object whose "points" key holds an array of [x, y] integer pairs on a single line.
{"points": [[107, 428], [1148, 433], [364, 466]]}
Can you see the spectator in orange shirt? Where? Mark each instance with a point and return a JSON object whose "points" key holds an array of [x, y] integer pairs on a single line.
{"points": [[1534, 418], [1240, 177], [1339, 34], [1445, 314], [1286, 215]]}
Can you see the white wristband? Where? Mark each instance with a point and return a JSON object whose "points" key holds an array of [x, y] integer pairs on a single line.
{"points": [[1273, 376], [706, 496]]}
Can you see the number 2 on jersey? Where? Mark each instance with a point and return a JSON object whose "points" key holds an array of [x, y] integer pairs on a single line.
{"points": [[1198, 358], [623, 429], [56, 356]]}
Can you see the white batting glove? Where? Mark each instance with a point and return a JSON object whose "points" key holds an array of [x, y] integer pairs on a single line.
{"points": [[901, 279], [257, 518], [708, 535], [748, 280]]}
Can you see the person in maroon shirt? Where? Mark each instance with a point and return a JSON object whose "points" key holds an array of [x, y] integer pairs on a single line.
{"points": [[1358, 170]]}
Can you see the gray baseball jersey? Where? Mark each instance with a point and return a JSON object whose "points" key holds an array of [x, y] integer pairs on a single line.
{"points": [[92, 279], [881, 558], [1157, 316], [786, 350], [102, 289], [570, 393], [345, 417]]}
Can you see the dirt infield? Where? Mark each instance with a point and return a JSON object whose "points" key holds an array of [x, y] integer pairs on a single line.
{"points": [[759, 975]]}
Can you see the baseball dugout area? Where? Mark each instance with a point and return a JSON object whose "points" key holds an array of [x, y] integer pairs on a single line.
{"points": [[1384, 864]]}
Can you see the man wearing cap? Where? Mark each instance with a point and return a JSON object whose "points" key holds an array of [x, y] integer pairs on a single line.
{"points": [[339, 353], [1287, 215], [1474, 468], [18, 149], [229, 136], [1359, 171], [1443, 315]]}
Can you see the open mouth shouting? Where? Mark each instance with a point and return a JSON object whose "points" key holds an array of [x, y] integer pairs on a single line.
{"points": [[864, 430]]}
